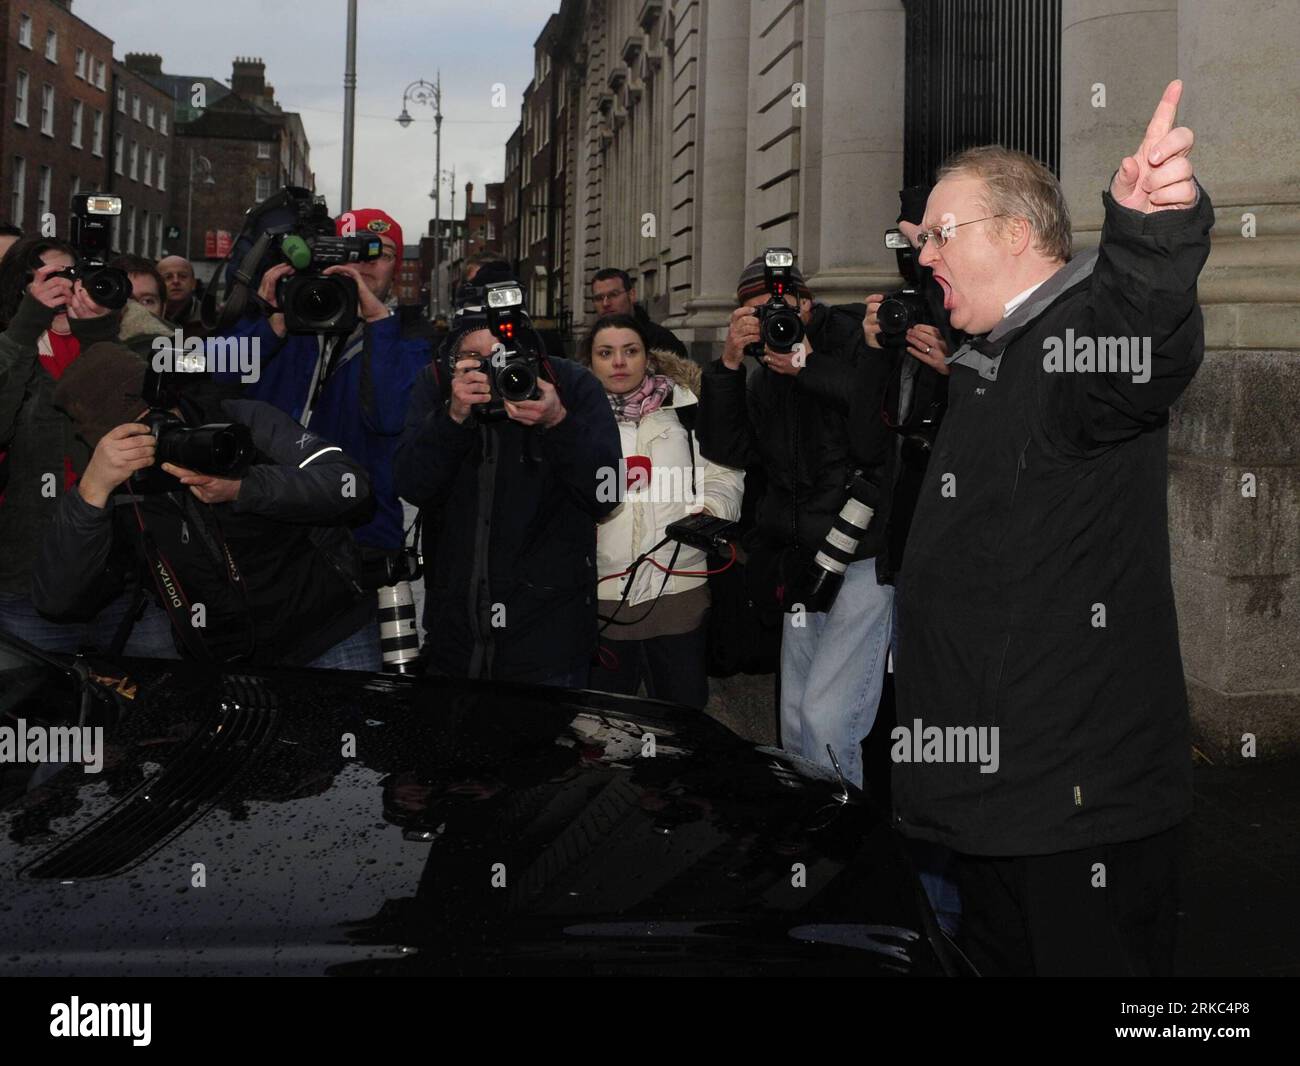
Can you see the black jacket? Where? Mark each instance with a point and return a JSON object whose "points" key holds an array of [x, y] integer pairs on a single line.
{"points": [[1043, 507], [807, 432], [296, 595], [658, 336], [510, 530]]}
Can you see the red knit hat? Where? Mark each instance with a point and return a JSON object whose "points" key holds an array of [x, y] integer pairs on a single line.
{"points": [[372, 220]]}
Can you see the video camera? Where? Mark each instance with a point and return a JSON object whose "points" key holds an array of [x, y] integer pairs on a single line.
{"points": [[90, 233], [222, 449], [313, 302], [779, 324], [908, 307], [512, 369]]}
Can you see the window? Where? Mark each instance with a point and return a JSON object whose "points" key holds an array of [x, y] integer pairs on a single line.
{"points": [[117, 231], [135, 106], [148, 166], [18, 201], [144, 232], [491, 232], [162, 172], [263, 150], [76, 123], [47, 110], [52, 45], [130, 230], [157, 236], [117, 153], [121, 99], [148, 116], [100, 80], [25, 30], [76, 188], [135, 161], [162, 123], [43, 194], [263, 187], [97, 135], [79, 65], [20, 99]]}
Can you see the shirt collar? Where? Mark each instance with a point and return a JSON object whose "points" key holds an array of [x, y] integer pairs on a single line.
{"points": [[1017, 300]]}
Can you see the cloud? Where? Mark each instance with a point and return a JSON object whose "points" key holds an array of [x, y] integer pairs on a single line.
{"points": [[398, 41]]}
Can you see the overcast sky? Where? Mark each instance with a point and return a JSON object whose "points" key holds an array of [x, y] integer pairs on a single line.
{"points": [[475, 43]]}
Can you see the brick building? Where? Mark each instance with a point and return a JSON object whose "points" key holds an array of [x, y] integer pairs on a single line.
{"points": [[140, 170], [409, 281], [54, 98], [510, 190]]}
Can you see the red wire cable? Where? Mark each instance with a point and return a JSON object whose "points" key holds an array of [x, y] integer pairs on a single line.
{"points": [[680, 573]]}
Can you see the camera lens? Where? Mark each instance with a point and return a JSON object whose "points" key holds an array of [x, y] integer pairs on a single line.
{"points": [[516, 381], [894, 316], [782, 329], [108, 287]]}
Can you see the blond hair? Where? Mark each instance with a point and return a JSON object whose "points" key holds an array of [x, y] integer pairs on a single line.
{"points": [[1018, 186]]}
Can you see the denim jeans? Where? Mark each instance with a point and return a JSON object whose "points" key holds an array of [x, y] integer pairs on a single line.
{"points": [[360, 651], [832, 670], [151, 636]]}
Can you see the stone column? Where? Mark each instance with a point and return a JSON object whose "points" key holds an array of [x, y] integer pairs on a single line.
{"points": [[1234, 490], [1127, 49], [718, 210], [861, 89]]}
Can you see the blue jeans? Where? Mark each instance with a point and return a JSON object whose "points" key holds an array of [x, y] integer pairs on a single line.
{"points": [[358, 652], [832, 671], [151, 636]]}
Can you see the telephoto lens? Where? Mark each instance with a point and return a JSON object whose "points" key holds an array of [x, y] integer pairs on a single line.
{"points": [[837, 550], [399, 640]]}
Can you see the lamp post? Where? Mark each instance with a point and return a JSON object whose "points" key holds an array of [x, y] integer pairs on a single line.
{"points": [[422, 92], [205, 166]]}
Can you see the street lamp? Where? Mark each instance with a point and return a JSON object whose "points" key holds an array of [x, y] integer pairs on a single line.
{"points": [[422, 92], [205, 167]]}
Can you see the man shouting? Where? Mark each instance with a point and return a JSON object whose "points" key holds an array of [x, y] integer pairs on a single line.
{"points": [[1043, 728]]}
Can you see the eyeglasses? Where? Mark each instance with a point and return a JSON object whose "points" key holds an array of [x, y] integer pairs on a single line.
{"points": [[942, 234], [606, 297]]}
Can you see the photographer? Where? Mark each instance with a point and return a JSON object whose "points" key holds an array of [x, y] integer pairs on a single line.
{"points": [[48, 319], [511, 503], [251, 563], [353, 389], [810, 419]]}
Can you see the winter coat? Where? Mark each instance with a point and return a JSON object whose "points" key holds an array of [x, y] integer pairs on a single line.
{"points": [[657, 336], [296, 596], [1035, 595], [807, 432], [682, 481], [45, 456], [361, 407], [510, 529]]}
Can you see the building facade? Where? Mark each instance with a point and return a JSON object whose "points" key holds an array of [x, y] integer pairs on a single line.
{"points": [[55, 98], [701, 132], [140, 137]]}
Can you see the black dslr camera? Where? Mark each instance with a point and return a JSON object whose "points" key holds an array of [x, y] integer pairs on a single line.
{"points": [[908, 307], [222, 449], [779, 324], [512, 369], [91, 235], [312, 302]]}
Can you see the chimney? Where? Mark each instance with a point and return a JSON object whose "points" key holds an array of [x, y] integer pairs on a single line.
{"points": [[144, 63], [248, 79], [469, 197]]}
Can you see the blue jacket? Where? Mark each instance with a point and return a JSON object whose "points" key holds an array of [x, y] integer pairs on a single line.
{"points": [[361, 408]]}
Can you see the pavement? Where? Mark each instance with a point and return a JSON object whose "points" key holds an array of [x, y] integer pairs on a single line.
{"points": [[1241, 847]]}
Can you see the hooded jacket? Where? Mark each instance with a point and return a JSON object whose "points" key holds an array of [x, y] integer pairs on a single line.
{"points": [[510, 529], [1036, 597], [682, 481]]}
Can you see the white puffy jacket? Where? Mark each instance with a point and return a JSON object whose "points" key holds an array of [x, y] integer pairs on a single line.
{"points": [[638, 523]]}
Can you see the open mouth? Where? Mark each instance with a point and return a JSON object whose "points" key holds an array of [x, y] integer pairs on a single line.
{"points": [[947, 291]]}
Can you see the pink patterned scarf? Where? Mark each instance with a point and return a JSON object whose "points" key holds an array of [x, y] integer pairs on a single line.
{"points": [[646, 397]]}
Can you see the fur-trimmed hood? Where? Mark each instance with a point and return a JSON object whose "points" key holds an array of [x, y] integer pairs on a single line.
{"points": [[672, 366]]}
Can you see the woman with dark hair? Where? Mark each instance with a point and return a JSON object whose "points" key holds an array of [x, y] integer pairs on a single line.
{"points": [[655, 612], [47, 322]]}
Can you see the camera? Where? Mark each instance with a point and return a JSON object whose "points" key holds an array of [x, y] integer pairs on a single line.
{"points": [[908, 307], [779, 324], [512, 370], [835, 554], [90, 233], [222, 449], [311, 301]]}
